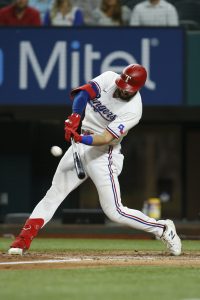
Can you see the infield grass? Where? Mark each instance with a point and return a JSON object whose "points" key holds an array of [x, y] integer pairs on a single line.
{"points": [[101, 283]]}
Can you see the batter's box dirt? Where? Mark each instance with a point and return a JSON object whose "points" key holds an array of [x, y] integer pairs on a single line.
{"points": [[64, 260]]}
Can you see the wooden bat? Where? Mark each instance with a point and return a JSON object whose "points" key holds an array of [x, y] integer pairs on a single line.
{"points": [[77, 161]]}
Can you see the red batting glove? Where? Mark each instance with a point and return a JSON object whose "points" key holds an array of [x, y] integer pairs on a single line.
{"points": [[69, 132], [73, 121], [77, 137]]}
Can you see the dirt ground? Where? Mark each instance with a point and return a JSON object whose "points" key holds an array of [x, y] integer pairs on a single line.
{"points": [[77, 259]]}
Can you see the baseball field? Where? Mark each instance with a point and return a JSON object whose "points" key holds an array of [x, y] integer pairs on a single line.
{"points": [[100, 269]]}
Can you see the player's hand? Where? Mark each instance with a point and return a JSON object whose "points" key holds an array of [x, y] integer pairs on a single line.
{"points": [[69, 132], [73, 121]]}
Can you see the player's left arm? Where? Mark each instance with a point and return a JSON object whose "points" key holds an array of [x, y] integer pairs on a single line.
{"points": [[102, 139], [115, 130], [127, 118], [93, 140]]}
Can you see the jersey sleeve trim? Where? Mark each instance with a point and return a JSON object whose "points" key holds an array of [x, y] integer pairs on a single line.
{"points": [[96, 86], [91, 88], [112, 132]]}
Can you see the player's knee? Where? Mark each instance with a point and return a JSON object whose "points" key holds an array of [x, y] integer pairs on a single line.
{"points": [[114, 216], [54, 194]]}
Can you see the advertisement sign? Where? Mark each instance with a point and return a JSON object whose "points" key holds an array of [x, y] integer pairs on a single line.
{"points": [[193, 63], [39, 66]]}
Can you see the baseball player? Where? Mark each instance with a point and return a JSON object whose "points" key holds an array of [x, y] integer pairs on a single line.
{"points": [[112, 105]]}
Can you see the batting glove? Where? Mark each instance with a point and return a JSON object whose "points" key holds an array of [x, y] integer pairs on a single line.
{"points": [[69, 132], [73, 121]]}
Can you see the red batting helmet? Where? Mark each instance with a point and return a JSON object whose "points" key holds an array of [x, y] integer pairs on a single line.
{"points": [[132, 79]]}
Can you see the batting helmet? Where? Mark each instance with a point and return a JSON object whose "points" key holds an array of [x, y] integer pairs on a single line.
{"points": [[132, 79]]}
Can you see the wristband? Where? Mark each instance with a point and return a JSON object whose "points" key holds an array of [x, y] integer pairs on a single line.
{"points": [[86, 139]]}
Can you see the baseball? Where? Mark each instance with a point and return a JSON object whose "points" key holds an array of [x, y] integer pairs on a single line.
{"points": [[56, 151]]}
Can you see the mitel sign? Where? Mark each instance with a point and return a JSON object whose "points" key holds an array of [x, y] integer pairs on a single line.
{"points": [[58, 58], [42, 65]]}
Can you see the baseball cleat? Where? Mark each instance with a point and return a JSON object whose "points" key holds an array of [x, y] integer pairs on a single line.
{"points": [[18, 246], [171, 239], [15, 251]]}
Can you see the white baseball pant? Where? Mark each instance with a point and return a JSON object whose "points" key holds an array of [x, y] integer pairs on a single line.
{"points": [[103, 165]]}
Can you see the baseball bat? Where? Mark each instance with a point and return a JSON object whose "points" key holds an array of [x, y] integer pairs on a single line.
{"points": [[77, 161]]}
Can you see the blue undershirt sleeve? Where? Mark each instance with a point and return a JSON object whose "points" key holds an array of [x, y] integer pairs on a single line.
{"points": [[80, 101]]}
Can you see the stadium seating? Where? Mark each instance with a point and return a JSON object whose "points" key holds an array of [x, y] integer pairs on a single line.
{"points": [[189, 13]]}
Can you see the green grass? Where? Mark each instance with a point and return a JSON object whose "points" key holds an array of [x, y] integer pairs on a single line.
{"points": [[111, 283], [101, 283], [41, 244]]}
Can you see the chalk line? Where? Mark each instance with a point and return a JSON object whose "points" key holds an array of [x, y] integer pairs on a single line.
{"points": [[49, 261]]}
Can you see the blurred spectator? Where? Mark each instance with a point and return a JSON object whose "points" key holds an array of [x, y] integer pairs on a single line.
{"points": [[154, 13], [42, 5], [111, 13], [88, 7], [19, 14], [63, 13]]}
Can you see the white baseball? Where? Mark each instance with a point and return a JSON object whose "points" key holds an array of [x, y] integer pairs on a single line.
{"points": [[56, 151]]}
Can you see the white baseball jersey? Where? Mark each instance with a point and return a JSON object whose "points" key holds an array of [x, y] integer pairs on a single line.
{"points": [[114, 114]]}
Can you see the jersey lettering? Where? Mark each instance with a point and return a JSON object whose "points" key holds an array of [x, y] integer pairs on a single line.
{"points": [[102, 110]]}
